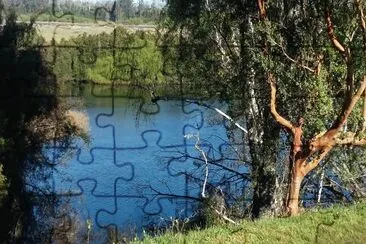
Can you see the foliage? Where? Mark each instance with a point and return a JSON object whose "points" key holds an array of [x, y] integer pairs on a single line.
{"points": [[29, 111], [3, 185], [126, 11], [135, 59], [230, 48], [217, 49]]}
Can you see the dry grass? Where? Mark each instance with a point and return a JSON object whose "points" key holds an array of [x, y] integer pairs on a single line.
{"points": [[66, 31], [60, 125], [59, 30], [79, 121]]}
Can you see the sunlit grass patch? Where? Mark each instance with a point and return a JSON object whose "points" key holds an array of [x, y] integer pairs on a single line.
{"points": [[334, 225]]}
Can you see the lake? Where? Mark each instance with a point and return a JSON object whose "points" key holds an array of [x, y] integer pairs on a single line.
{"points": [[144, 165]]}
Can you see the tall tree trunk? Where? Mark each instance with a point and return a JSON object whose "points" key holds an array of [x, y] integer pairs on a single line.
{"points": [[294, 190], [267, 195], [263, 133]]}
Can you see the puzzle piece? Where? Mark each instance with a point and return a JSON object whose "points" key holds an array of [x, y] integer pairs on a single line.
{"points": [[103, 167], [158, 169], [137, 174], [124, 122]]}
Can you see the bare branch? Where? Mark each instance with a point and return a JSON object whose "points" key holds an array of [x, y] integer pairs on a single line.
{"points": [[321, 181], [225, 217], [346, 111], [281, 120], [262, 9], [221, 113], [315, 162], [291, 59], [337, 45], [350, 139], [198, 147]]}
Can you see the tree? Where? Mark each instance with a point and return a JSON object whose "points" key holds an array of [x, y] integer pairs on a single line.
{"points": [[306, 154], [277, 59], [127, 7], [216, 40], [31, 117]]}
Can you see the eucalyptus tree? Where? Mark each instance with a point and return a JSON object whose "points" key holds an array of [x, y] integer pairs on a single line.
{"points": [[294, 63], [219, 52], [316, 64]]}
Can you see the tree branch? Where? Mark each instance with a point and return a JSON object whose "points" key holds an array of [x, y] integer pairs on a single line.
{"points": [[225, 217], [315, 162], [279, 119], [350, 139], [221, 113], [291, 59], [346, 55], [330, 29], [198, 147], [362, 22], [364, 112], [363, 27], [262, 9], [346, 111]]}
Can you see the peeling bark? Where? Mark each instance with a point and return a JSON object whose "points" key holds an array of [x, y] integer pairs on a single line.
{"points": [[293, 203], [304, 158], [363, 28], [262, 9]]}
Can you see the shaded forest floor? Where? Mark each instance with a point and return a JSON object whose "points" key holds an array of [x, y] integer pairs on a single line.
{"points": [[333, 225]]}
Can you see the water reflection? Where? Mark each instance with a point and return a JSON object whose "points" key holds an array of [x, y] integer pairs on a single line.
{"points": [[141, 170]]}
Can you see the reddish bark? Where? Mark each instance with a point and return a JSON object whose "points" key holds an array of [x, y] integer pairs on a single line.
{"points": [[293, 202], [262, 9], [363, 28], [304, 157]]}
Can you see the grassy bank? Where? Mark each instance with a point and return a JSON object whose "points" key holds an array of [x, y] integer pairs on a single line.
{"points": [[69, 18], [334, 225], [135, 58]]}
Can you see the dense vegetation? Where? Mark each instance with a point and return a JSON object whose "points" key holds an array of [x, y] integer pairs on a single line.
{"points": [[122, 56], [31, 117], [295, 72], [292, 72]]}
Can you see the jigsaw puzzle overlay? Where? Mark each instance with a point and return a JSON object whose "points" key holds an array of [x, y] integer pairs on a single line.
{"points": [[143, 166], [138, 176], [152, 155]]}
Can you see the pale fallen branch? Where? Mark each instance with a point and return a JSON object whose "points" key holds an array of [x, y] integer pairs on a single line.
{"points": [[226, 116], [226, 218], [197, 146], [230, 119]]}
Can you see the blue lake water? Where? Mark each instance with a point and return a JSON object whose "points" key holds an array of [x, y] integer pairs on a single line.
{"points": [[142, 167]]}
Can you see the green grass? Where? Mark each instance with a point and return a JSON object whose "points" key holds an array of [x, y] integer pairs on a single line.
{"points": [[334, 225]]}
